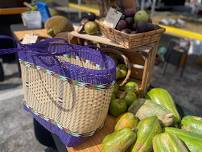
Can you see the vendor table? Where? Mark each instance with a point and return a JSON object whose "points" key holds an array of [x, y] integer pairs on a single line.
{"points": [[19, 31]]}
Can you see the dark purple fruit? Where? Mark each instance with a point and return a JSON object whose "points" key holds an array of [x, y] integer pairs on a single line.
{"points": [[133, 27], [123, 17], [133, 32], [129, 20], [126, 30], [122, 24], [144, 27], [90, 16], [141, 27], [150, 27], [129, 12]]}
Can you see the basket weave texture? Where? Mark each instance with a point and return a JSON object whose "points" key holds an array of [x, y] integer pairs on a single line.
{"points": [[131, 40], [67, 85]]}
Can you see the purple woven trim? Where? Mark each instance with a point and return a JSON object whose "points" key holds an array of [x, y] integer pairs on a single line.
{"points": [[67, 139], [41, 54]]}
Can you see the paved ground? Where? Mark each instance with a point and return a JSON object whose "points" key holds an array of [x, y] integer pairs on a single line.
{"points": [[186, 91], [16, 128]]}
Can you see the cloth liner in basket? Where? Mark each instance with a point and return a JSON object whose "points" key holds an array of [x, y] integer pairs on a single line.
{"points": [[66, 87]]}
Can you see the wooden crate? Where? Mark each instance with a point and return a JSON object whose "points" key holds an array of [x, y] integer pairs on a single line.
{"points": [[141, 58]]}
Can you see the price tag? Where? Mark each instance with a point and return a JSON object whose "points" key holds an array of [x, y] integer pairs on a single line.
{"points": [[112, 18], [29, 39]]}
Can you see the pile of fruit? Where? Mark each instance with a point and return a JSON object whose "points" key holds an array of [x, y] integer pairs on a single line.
{"points": [[88, 24], [132, 22], [122, 96], [152, 124]]}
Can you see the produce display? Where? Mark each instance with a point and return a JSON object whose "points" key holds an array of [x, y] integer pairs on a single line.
{"points": [[132, 22], [150, 124], [88, 24]]}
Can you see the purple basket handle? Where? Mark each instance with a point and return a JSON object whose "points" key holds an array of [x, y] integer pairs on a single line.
{"points": [[102, 54], [35, 47]]}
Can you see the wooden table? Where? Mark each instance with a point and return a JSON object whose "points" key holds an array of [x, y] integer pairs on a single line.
{"points": [[20, 33], [12, 11]]}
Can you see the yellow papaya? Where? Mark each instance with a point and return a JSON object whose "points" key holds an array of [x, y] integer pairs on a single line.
{"points": [[127, 120]]}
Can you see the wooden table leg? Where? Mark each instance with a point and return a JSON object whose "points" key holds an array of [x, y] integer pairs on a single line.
{"points": [[147, 72], [183, 63]]}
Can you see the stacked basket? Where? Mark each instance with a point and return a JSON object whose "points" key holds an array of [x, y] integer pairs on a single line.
{"points": [[131, 40]]}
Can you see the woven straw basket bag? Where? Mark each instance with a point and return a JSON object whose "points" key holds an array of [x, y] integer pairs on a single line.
{"points": [[66, 87]]}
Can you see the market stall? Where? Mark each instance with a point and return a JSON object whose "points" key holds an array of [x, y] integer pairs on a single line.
{"points": [[94, 92]]}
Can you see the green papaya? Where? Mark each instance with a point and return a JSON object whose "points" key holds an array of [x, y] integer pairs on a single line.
{"points": [[136, 105], [118, 141], [147, 129], [150, 108], [193, 124], [166, 142], [192, 141], [163, 98], [127, 120]]}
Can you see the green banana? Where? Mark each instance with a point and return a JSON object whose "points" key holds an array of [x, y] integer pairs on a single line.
{"points": [[163, 98], [192, 141], [118, 141], [166, 142], [147, 129], [193, 124]]}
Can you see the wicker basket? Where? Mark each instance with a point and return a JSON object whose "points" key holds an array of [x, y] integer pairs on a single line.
{"points": [[67, 87], [131, 40]]}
